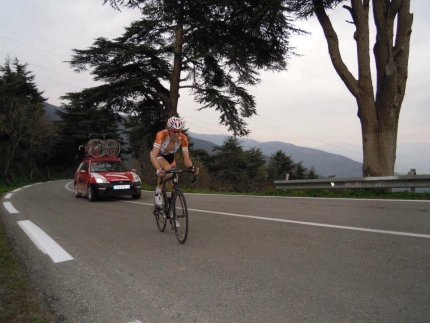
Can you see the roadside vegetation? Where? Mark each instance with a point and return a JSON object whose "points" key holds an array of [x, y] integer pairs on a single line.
{"points": [[19, 300]]}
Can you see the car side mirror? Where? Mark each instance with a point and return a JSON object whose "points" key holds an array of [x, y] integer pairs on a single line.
{"points": [[83, 171], [133, 170]]}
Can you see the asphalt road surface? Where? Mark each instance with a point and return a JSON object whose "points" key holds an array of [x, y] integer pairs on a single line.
{"points": [[246, 259]]}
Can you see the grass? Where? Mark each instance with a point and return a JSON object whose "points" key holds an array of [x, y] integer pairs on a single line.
{"points": [[20, 301]]}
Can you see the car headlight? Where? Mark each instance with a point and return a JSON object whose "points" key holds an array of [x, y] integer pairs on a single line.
{"points": [[136, 178], [99, 178]]}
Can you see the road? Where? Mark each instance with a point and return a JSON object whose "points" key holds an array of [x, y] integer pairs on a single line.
{"points": [[247, 258]]}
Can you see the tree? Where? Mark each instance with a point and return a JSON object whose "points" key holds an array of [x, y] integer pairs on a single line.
{"points": [[80, 120], [201, 155], [256, 169], [232, 168], [299, 171], [23, 128], [279, 165], [212, 48], [312, 174], [254, 161], [378, 114]]}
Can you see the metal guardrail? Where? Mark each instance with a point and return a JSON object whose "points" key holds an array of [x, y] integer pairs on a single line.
{"points": [[406, 181]]}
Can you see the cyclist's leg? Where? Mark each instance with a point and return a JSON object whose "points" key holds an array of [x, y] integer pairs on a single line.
{"points": [[166, 162], [158, 190]]}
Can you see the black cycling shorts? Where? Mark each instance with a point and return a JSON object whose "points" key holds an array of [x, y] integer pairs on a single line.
{"points": [[169, 157]]}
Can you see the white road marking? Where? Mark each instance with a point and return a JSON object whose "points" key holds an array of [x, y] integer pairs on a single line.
{"points": [[409, 234], [8, 196], [16, 190], [44, 242], [9, 207], [67, 187]]}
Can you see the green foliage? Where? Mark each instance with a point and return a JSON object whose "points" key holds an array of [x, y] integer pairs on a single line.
{"points": [[279, 165], [25, 135], [233, 169], [79, 122], [211, 47], [312, 174], [305, 8]]}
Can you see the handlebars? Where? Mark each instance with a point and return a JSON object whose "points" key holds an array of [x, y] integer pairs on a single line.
{"points": [[175, 172]]}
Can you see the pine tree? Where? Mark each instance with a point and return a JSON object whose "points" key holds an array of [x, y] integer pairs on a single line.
{"points": [[23, 128], [212, 48], [81, 122], [279, 165]]}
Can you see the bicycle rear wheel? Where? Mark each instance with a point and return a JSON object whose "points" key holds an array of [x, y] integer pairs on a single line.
{"points": [[160, 219], [96, 147], [180, 217]]}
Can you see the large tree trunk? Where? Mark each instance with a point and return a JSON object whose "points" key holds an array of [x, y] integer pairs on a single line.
{"points": [[379, 116], [175, 77]]}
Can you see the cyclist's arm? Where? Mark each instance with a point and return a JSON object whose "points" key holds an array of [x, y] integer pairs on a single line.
{"points": [[153, 156], [187, 160]]}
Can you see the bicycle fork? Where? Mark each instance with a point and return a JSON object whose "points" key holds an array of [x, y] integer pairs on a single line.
{"points": [[170, 209]]}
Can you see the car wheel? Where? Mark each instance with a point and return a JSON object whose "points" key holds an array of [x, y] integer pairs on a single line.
{"points": [[91, 194], [136, 196], [77, 194]]}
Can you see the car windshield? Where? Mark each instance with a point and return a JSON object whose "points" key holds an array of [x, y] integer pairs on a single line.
{"points": [[108, 166]]}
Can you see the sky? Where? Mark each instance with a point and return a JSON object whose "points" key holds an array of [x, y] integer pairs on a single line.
{"points": [[307, 105]]}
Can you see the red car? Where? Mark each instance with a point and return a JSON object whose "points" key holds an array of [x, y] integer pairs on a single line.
{"points": [[106, 176]]}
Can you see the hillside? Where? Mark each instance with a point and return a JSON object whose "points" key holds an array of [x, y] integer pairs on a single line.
{"points": [[409, 155], [50, 111], [325, 164]]}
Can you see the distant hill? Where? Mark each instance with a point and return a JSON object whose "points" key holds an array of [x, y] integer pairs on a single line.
{"points": [[50, 111], [325, 164], [202, 144], [409, 155]]}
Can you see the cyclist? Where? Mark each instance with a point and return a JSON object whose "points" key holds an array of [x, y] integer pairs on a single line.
{"points": [[167, 143]]}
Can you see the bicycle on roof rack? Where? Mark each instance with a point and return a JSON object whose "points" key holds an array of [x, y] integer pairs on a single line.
{"points": [[102, 148], [174, 206]]}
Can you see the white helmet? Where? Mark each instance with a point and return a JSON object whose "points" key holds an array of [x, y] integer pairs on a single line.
{"points": [[175, 123]]}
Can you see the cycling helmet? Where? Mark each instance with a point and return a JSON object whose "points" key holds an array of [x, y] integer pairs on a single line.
{"points": [[175, 123]]}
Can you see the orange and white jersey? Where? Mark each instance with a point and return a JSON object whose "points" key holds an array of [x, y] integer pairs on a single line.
{"points": [[162, 140]]}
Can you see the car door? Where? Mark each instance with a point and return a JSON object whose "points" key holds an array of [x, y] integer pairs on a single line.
{"points": [[83, 178]]}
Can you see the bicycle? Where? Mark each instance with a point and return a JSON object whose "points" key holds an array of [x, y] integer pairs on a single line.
{"points": [[174, 206], [102, 148]]}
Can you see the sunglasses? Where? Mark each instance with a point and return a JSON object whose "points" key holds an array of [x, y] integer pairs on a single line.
{"points": [[176, 131]]}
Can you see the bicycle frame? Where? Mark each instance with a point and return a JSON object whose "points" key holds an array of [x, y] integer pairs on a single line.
{"points": [[174, 178], [173, 204]]}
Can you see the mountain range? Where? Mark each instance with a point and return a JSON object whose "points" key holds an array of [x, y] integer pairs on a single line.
{"points": [[325, 164], [341, 160]]}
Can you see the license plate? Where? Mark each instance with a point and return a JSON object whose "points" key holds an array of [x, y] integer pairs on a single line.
{"points": [[121, 187]]}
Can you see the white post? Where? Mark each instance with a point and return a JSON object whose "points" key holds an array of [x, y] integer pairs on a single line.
{"points": [[412, 172]]}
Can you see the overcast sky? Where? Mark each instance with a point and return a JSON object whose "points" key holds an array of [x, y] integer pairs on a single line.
{"points": [[308, 105]]}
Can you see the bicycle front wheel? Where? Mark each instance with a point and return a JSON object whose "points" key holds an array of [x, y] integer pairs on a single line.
{"points": [[160, 219], [160, 216], [180, 217]]}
